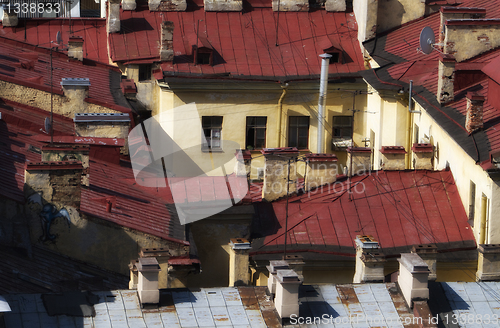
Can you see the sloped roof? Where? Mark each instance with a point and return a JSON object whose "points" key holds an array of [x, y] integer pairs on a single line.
{"points": [[400, 62], [28, 65], [244, 42], [41, 31], [398, 208]]}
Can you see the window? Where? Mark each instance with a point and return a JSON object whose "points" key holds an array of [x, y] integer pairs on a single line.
{"points": [[472, 202], [203, 55], [256, 132], [212, 128], [342, 127], [144, 73], [298, 132]]}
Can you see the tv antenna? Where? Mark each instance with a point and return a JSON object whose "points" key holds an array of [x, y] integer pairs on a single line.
{"points": [[428, 41]]}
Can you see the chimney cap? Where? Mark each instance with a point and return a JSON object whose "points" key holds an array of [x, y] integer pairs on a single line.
{"points": [[278, 265], [149, 264], [366, 242], [101, 117], [76, 39], [413, 263], [393, 150], [321, 157], [287, 276], [243, 154], [462, 10], [422, 148], [474, 96], [282, 150], [70, 81], [240, 243], [359, 150]]}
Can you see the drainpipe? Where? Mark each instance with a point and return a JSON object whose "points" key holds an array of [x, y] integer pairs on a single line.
{"points": [[280, 107], [482, 232], [323, 85]]}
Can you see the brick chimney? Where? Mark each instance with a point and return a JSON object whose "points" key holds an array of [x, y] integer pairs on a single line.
{"points": [[9, 18], [167, 5], [167, 41], [423, 156], [361, 159], [128, 4], [273, 268], [447, 13], [238, 262], [369, 260], [446, 78], [66, 153], [291, 5], [488, 263], [428, 253], [243, 163], [287, 293], [75, 90], [321, 169], [223, 5], [113, 18], [147, 282], [413, 278], [278, 161], [75, 47], [474, 116], [393, 158]]}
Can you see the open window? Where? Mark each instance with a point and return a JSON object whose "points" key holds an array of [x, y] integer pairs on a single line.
{"points": [[256, 132], [212, 130]]}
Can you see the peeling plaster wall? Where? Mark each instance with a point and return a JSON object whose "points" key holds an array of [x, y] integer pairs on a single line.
{"points": [[393, 13], [102, 130], [41, 99], [467, 41]]}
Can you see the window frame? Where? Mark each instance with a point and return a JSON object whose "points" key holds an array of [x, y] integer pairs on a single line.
{"points": [[211, 127], [297, 127], [341, 128], [255, 127]]}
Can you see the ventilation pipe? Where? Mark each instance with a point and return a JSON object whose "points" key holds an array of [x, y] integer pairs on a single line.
{"points": [[323, 85]]}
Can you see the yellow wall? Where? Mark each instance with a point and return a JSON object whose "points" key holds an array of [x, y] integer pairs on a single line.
{"points": [[236, 101]]}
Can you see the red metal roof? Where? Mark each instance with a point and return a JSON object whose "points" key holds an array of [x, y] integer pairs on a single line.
{"points": [[245, 43], [28, 65], [398, 208], [40, 31]]}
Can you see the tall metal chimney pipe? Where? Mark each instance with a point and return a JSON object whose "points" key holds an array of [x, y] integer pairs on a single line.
{"points": [[323, 85]]}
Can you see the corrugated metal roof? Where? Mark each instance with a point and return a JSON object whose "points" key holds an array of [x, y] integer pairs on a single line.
{"points": [[245, 43], [398, 208]]}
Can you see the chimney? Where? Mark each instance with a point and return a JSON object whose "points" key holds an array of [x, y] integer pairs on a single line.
{"points": [[428, 253], [423, 156], [113, 19], [369, 261], [162, 255], [223, 5], [287, 293], [335, 5], [321, 169], [147, 283], [167, 5], [361, 160], [58, 182], [393, 158], [9, 17], [129, 88], [102, 125], [134, 274], [446, 78], [474, 116], [296, 263], [291, 5], [243, 163], [488, 263], [447, 13], [75, 90], [278, 162], [61, 152], [75, 47], [167, 41], [273, 268], [413, 278], [128, 4], [238, 262]]}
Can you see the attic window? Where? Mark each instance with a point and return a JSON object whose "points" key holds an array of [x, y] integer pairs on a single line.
{"points": [[144, 72], [203, 56], [335, 53]]}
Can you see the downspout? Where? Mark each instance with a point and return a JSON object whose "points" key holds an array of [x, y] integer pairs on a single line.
{"points": [[482, 231], [280, 110], [323, 85]]}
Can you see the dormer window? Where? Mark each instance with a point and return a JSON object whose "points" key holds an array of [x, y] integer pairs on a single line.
{"points": [[203, 56], [335, 53]]}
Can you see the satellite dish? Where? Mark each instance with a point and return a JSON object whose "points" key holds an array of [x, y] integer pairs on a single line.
{"points": [[58, 38], [47, 125], [427, 40]]}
